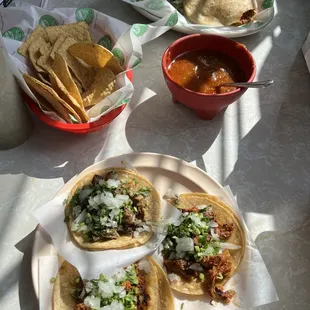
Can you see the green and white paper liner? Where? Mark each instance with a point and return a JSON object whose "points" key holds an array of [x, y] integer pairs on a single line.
{"points": [[161, 8], [125, 42]]}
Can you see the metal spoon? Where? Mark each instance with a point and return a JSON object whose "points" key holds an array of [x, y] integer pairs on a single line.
{"points": [[260, 84]]}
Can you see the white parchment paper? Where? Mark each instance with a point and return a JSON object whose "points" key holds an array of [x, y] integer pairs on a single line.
{"points": [[125, 42], [90, 264], [160, 8], [252, 281]]}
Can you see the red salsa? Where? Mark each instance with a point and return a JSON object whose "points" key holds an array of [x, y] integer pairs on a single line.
{"points": [[204, 71]]}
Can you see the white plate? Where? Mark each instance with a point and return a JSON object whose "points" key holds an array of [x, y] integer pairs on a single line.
{"points": [[229, 32], [162, 171]]}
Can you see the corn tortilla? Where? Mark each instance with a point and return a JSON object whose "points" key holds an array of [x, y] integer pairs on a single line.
{"points": [[223, 214], [62, 108], [104, 84], [156, 286], [96, 56], [151, 212]]}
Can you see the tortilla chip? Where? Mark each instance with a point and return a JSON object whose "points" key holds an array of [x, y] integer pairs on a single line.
{"points": [[63, 93], [38, 32], [82, 71], [96, 56], [62, 71], [62, 108], [104, 84], [45, 62], [44, 77], [57, 45], [78, 84], [34, 52], [79, 31]]}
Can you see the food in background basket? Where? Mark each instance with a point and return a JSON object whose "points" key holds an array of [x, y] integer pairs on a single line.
{"points": [[204, 247], [142, 285], [72, 73], [112, 209], [217, 13]]}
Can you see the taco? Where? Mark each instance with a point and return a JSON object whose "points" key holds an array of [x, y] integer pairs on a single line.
{"points": [[220, 13], [110, 209], [204, 247], [141, 286]]}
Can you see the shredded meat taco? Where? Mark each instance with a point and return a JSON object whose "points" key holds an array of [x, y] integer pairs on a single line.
{"points": [[141, 286], [220, 12], [110, 209], [204, 247]]}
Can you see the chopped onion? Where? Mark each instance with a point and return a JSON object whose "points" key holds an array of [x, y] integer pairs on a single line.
{"points": [[208, 251], [84, 193], [136, 234], [197, 221], [202, 207], [172, 255], [144, 265], [119, 275], [122, 294], [184, 244], [74, 226], [81, 217], [113, 183], [88, 287], [196, 267], [229, 246], [108, 194], [82, 228], [93, 302], [214, 235], [173, 277], [106, 289], [115, 305], [123, 198], [213, 224]]}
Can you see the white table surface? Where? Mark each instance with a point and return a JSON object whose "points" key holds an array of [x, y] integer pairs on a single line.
{"points": [[260, 147]]}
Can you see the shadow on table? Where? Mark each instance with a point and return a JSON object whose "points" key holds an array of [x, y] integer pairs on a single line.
{"points": [[272, 173], [27, 297], [57, 153], [159, 124]]}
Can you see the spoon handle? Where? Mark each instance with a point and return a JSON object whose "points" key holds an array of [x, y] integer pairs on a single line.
{"points": [[260, 84]]}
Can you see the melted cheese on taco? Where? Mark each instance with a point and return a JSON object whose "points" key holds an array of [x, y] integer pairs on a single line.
{"points": [[203, 247], [109, 209]]}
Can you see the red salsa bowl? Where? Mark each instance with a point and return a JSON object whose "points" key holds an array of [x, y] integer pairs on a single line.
{"points": [[77, 128], [207, 105]]}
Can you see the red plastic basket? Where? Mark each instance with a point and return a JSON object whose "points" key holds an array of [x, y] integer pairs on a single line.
{"points": [[76, 128]]}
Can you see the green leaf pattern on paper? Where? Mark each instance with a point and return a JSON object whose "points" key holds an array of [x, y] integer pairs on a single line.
{"points": [[123, 101], [106, 42], [154, 5], [47, 21], [172, 20], [267, 4], [139, 29], [136, 63], [14, 33], [104, 109], [119, 54], [85, 14]]}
